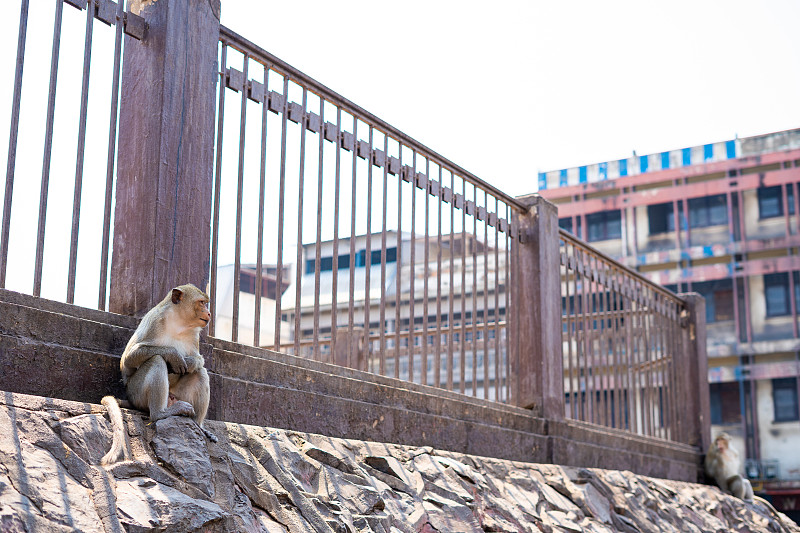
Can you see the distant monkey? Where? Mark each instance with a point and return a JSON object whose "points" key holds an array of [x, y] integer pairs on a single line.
{"points": [[162, 368], [724, 465]]}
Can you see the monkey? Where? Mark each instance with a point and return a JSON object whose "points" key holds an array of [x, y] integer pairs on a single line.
{"points": [[162, 368], [723, 464]]}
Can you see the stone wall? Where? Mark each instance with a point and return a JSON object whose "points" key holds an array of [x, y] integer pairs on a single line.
{"points": [[261, 479]]}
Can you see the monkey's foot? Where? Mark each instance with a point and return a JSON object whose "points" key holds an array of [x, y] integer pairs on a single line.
{"points": [[178, 408]]}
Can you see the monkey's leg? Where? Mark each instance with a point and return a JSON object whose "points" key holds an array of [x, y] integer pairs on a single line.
{"points": [[148, 390], [194, 389]]}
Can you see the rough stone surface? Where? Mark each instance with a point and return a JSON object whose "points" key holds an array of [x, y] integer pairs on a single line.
{"points": [[258, 479]]}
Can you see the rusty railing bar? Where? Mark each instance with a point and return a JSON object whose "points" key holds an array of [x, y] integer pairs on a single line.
{"points": [[48, 145], [262, 187], [76, 199], [112, 146], [299, 258], [281, 210], [12, 139], [352, 255], [318, 244], [217, 185], [237, 254]]}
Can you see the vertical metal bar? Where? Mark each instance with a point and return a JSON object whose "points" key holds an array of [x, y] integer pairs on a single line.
{"points": [[300, 252], [318, 244], [48, 145], [335, 259], [262, 185], [352, 271], [569, 303], [605, 341], [473, 244], [437, 379], [617, 351], [112, 146], [368, 258], [217, 183], [12, 139], [237, 260], [382, 312], [412, 292], [451, 327], [497, 373], [398, 276], [588, 375], [426, 259], [509, 313], [485, 313], [463, 338], [281, 212], [76, 199]]}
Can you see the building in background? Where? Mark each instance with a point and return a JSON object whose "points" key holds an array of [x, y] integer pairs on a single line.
{"points": [[224, 300], [721, 220]]}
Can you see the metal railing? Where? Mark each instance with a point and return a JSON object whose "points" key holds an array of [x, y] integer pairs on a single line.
{"points": [[58, 223], [412, 249], [621, 333], [336, 237]]}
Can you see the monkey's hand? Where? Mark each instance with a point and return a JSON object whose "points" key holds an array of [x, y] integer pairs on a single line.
{"points": [[176, 363], [139, 353], [194, 363]]}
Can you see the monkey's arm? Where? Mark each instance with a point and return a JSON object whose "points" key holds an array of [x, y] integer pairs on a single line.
{"points": [[139, 353]]}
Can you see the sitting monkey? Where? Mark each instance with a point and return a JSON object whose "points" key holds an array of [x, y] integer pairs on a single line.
{"points": [[162, 368], [724, 465]]}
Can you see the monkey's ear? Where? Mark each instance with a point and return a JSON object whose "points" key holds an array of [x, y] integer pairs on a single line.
{"points": [[176, 295]]}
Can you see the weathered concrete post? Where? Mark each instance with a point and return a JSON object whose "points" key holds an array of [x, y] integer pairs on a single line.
{"points": [[695, 410], [535, 329], [166, 148]]}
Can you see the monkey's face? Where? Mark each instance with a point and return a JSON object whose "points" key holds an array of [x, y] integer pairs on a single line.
{"points": [[201, 311], [721, 444], [192, 304]]}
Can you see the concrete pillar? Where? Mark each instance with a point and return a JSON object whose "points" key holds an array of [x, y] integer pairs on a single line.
{"points": [[536, 362], [166, 146]]}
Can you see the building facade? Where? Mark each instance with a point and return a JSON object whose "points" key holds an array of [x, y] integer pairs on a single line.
{"points": [[721, 220]]}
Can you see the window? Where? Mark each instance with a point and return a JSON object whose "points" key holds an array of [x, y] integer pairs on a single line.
{"points": [[719, 299], [725, 403], [776, 293], [708, 211], [661, 218], [565, 224], [604, 226], [326, 263], [784, 399], [770, 201]]}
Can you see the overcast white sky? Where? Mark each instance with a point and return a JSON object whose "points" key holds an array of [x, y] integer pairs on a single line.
{"points": [[523, 87]]}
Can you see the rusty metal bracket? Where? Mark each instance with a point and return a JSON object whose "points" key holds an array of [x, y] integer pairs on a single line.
{"points": [[276, 102], [234, 79], [295, 112], [255, 91], [106, 12], [313, 122], [378, 158], [134, 25]]}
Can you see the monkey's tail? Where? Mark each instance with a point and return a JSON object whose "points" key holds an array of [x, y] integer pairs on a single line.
{"points": [[118, 447]]}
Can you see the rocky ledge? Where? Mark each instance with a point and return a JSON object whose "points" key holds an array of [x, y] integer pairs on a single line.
{"points": [[269, 480]]}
